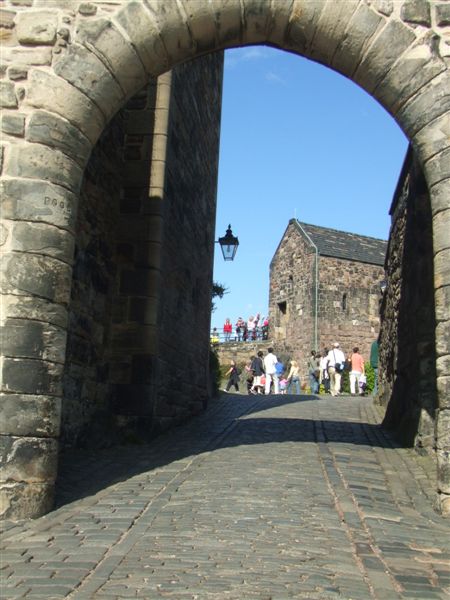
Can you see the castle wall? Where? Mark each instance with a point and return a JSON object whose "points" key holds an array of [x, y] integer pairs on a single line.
{"points": [[137, 353], [407, 341]]}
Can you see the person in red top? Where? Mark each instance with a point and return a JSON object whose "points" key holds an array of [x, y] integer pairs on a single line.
{"points": [[357, 369], [227, 329]]}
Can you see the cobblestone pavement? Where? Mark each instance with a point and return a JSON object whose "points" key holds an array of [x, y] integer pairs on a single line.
{"points": [[257, 498]]}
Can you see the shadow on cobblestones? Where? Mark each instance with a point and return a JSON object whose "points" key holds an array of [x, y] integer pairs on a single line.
{"points": [[85, 472]]}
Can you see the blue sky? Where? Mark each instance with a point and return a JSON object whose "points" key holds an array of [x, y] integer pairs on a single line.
{"points": [[297, 140]]}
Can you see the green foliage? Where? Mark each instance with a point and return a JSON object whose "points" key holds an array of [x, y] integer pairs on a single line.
{"points": [[214, 370], [218, 291], [370, 377]]}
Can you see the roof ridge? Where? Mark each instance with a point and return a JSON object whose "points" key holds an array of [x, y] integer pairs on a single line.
{"points": [[341, 231]]}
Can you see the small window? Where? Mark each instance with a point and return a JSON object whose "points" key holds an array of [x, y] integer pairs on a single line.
{"points": [[282, 307], [344, 301]]}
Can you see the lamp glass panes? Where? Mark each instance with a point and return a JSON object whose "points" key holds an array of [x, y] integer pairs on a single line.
{"points": [[229, 244]]}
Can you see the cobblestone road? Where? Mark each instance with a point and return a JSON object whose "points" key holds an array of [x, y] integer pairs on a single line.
{"points": [[257, 498]]}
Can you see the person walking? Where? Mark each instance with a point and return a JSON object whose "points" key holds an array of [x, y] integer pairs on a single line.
{"points": [[336, 361], [314, 372], [233, 377], [270, 360], [324, 375], [257, 367], [357, 369], [374, 364], [294, 377]]}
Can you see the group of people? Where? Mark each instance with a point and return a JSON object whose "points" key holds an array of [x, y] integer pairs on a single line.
{"points": [[327, 367], [255, 328], [264, 373]]}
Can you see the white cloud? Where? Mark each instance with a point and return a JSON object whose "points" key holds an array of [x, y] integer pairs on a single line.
{"points": [[274, 78], [235, 56]]}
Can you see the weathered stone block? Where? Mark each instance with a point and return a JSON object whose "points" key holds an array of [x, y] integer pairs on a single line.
{"points": [[443, 15], [138, 22], [428, 105], [416, 12], [438, 168], [42, 238], [7, 18], [392, 42], [85, 71], [443, 365], [442, 303], [29, 415], [7, 95], [103, 38], [33, 339], [418, 66], [37, 27], [330, 30], [87, 9], [13, 124], [442, 259], [65, 100], [25, 376], [31, 307], [443, 386], [38, 201], [28, 459], [24, 57], [36, 161], [25, 500], [385, 7], [17, 73], [28, 274], [364, 24], [45, 128]]}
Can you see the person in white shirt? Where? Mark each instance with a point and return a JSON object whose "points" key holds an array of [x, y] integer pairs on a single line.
{"points": [[336, 361], [270, 360]]}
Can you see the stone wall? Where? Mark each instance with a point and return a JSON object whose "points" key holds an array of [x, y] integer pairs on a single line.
{"points": [[407, 340], [349, 294], [137, 353], [86, 383], [347, 301], [189, 210], [292, 298]]}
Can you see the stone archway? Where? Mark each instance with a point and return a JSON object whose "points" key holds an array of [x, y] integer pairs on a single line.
{"points": [[72, 65]]}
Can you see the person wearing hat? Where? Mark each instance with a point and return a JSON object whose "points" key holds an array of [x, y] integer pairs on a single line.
{"points": [[336, 361]]}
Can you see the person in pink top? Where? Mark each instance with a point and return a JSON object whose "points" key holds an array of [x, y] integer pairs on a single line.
{"points": [[357, 369]]}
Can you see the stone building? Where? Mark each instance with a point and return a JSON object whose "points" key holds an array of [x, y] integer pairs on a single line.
{"points": [[324, 286]]}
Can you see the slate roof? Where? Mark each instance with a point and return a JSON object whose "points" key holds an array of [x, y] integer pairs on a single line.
{"points": [[349, 246]]}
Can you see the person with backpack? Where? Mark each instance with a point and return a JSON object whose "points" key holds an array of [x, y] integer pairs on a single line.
{"points": [[336, 362], [270, 360]]}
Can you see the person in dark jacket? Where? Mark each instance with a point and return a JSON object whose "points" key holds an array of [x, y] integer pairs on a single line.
{"points": [[233, 377], [257, 367]]}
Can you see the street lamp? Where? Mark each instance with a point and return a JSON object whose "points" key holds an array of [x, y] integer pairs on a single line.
{"points": [[383, 286], [228, 244]]}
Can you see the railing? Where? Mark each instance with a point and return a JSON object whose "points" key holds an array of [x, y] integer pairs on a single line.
{"points": [[219, 337]]}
